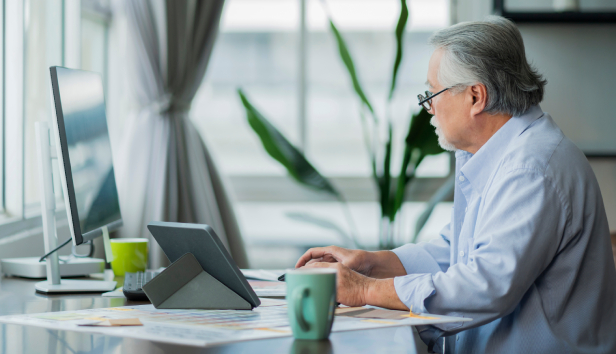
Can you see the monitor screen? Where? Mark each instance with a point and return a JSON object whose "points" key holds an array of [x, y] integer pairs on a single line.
{"points": [[86, 150]]}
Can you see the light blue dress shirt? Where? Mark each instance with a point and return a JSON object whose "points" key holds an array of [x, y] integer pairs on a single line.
{"points": [[527, 254]]}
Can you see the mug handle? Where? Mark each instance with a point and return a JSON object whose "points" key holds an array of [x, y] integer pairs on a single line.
{"points": [[298, 296]]}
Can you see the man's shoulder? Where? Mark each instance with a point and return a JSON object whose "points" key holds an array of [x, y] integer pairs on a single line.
{"points": [[544, 149]]}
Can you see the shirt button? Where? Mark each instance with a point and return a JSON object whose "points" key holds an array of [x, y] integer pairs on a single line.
{"points": [[461, 178], [457, 338], [461, 253]]}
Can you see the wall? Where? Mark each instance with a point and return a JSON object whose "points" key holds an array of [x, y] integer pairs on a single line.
{"points": [[578, 61]]}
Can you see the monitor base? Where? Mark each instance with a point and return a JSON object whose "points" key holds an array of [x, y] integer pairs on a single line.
{"points": [[75, 286], [30, 267]]}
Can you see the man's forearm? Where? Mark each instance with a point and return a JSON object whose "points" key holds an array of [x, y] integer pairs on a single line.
{"points": [[382, 293], [385, 264]]}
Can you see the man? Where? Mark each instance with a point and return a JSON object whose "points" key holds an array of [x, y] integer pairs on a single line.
{"points": [[527, 252]]}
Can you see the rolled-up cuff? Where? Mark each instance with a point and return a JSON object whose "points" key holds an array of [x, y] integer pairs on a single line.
{"points": [[416, 259], [413, 289]]}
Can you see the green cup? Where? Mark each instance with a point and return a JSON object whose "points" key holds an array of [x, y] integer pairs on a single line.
{"points": [[311, 299], [129, 255]]}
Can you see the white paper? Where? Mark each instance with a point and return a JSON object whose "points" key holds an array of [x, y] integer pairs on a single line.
{"points": [[263, 274], [198, 327], [114, 293], [271, 292], [268, 288]]}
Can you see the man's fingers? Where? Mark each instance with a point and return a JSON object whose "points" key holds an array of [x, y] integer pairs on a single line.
{"points": [[321, 265], [329, 258], [315, 260], [324, 253], [326, 258], [312, 253]]}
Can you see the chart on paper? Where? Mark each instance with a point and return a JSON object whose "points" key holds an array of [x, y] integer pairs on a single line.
{"points": [[197, 327]]}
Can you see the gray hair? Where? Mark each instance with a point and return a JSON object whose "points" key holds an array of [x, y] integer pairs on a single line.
{"points": [[490, 52]]}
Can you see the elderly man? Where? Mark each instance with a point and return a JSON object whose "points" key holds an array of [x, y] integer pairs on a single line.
{"points": [[527, 252]]}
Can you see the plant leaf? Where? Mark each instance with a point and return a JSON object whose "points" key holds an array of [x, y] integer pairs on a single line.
{"points": [[444, 192], [385, 180], [422, 134], [402, 181], [345, 55], [404, 15], [420, 142], [278, 147]]}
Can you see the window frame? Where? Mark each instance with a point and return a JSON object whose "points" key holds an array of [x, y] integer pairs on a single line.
{"points": [[17, 219]]}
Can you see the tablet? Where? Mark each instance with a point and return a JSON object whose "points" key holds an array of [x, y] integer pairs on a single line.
{"points": [[177, 239]]}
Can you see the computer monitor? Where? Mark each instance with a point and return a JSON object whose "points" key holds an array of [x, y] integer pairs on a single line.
{"points": [[84, 153]]}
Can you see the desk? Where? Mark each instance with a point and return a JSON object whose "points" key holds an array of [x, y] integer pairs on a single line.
{"points": [[17, 296]]}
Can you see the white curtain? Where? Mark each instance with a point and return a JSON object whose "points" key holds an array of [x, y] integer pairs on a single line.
{"points": [[165, 171]]}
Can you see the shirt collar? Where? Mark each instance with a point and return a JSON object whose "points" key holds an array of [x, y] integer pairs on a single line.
{"points": [[479, 167]]}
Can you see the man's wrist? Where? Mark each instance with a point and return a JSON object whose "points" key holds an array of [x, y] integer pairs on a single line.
{"points": [[385, 264], [369, 289], [382, 293], [369, 260]]}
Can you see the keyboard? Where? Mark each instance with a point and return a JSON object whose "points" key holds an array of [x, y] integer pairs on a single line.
{"points": [[133, 284]]}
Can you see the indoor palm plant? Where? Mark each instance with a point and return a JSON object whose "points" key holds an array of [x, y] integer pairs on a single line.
{"points": [[420, 142]]}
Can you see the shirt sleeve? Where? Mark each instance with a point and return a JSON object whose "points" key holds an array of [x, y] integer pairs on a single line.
{"points": [[426, 257], [519, 227]]}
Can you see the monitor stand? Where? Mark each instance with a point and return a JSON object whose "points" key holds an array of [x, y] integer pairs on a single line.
{"points": [[30, 267], [54, 284]]}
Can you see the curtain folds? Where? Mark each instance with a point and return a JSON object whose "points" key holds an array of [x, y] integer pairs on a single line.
{"points": [[165, 169]]}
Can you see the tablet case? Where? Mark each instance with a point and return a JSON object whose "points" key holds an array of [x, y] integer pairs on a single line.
{"points": [[185, 285], [177, 239]]}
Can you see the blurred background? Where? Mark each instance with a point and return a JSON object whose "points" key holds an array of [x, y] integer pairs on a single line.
{"points": [[283, 55]]}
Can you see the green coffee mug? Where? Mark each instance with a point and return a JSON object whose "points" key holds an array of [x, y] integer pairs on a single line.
{"points": [[311, 301], [129, 255]]}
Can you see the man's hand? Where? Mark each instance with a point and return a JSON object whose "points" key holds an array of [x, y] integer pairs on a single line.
{"points": [[356, 260], [351, 287], [354, 289], [380, 264]]}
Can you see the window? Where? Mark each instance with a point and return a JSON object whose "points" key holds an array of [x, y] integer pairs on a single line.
{"points": [[95, 22], [43, 48], [258, 50], [39, 34]]}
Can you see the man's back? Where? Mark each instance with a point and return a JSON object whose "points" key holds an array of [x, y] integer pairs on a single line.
{"points": [[571, 302], [527, 252]]}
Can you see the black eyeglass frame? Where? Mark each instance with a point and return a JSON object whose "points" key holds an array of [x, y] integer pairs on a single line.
{"points": [[428, 98]]}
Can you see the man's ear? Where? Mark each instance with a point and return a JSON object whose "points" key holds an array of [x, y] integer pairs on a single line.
{"points": [[479, 94]]}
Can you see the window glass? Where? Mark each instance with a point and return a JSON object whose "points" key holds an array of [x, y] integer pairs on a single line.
{"points": [[93, 44], [43, 48], [257, 50], [2, 80], [335, 134]]}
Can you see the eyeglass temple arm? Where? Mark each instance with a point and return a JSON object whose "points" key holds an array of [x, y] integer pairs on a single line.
{"points": [[428, 98]]}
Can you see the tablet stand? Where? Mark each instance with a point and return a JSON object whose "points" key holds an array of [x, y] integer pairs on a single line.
{"points": [[185, 285]]}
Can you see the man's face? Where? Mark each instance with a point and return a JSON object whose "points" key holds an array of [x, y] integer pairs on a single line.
{"points": [[451, 111]]}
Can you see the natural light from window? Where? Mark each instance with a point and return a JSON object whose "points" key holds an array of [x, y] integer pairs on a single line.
{"points": [[258, 50]]}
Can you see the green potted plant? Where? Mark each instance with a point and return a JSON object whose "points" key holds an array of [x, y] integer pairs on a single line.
{"points": [[420, 141]]}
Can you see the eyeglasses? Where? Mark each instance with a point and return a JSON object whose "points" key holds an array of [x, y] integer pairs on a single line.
{"points": [[426, 101]]}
